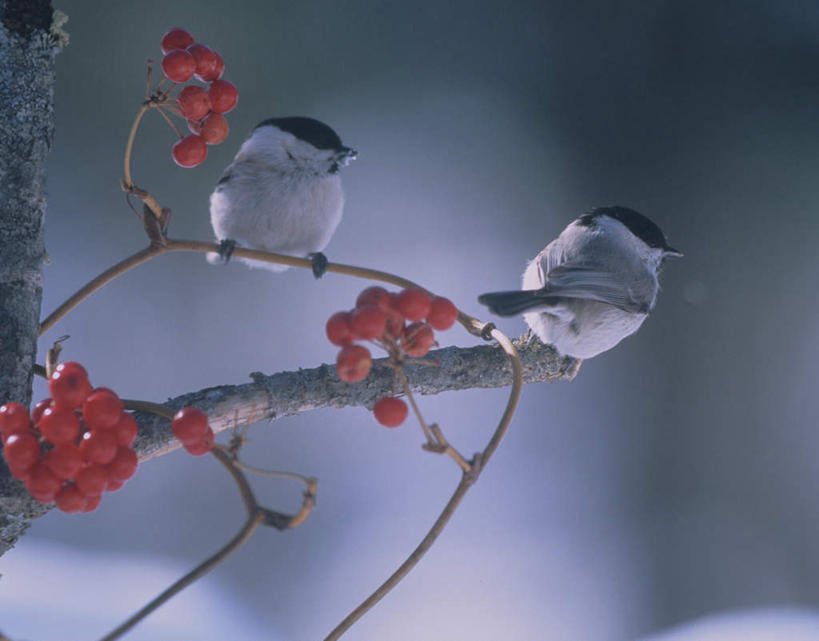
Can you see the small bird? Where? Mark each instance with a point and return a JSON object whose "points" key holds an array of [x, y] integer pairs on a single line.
{"points": [[282, 192], [593, 285]]}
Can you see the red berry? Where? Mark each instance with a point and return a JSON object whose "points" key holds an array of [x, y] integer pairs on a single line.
{"points": [[190, 425], [124, 464], [69, 384], [22, 450], [59, 425], [113, 485], [102, 408], [65, 460], [37, 412], [190, 151], [42, 483], [413, 303], [92, 479], [214, 129], [98, 446], [223, 96], [390, 411], [193, 102], [69, 499], [21, 473], [178, 65], [176, 38], [395, 324], [202, 446], [375, 295], [353, 363], [126, 429], [442, 313], [418, 339], [93, 502], [14, 419], [368, 322], [338, 329], [209, 64]]}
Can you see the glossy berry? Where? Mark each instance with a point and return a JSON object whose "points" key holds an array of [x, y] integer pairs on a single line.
{"points": [[223, 96], [375, 295], [178, 65], [413, 303], [14, 419], [418, 339], [59, 425], [193, 102], [42, 483], [214, 129], [21, 450], [92, 480], [37, 412], [390, 412], [69, 499], [102, 408], [209, 64], [123, 465], [442, 313], [353, 363], [126, 429], [98, 446], [176, 38], [190, 425], [69, 385], [65, 460], [190, 151], [338, 329], [202, 446], [368, 322]]}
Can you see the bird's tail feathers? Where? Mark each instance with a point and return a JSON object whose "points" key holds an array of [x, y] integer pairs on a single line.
{"points": [[513, 302]]}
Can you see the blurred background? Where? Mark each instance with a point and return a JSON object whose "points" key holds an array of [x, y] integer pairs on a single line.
{"points": [[674, 478]]}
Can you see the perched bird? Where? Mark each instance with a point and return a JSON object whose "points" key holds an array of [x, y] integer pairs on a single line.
{"points": [[593, 285], [282, 192]]}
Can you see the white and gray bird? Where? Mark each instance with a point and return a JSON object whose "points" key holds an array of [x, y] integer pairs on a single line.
{"points": [[282, 192], [593, 285]]}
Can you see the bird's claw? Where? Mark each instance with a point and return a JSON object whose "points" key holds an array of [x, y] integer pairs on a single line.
{"points": [[226, 248], [318, 262]]}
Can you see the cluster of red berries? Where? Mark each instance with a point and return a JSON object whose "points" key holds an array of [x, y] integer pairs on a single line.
{"points": [[74, 446], [190, 426], [381, 317], [202, 108]]}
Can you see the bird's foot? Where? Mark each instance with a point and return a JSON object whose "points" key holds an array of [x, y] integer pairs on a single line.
{"points": [[318, 262], [226, 248]]}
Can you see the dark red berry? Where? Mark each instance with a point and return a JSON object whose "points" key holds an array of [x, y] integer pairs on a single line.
{"points": [[126, 429], [178, 65], [176, 38], [65, 460], [202, 446], [353, 363], [375, 295], [413, 303], [14, 419], [190, 424], [368, 322], [223, 96], [59, 425], [37, 412], [42, 483], [69, 499], [92, 479], [69, 385], [98, 446], [190, 151], [390, 412], [442, 313], [123, 465], [21, 450], [338, 329], [209, 64], [102, 408], [418, 339]]}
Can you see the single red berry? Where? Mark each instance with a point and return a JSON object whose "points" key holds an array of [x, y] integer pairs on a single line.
{"points": [[368, 322], [202, 446], [353, 363], [193, 102], [223, 96], [190, 425], [413, 303], [178, 65], [190, 151], [65, 460], [92, 479], [14, 419], [42, 483], [375, 295], [209, 64], [37, 412], [442, 313], [59, 425], [21, 450], [395, 324], [418, 339], [390, 411], [69, 499], [69, 384], [102, 408], [113, 485], [126, 429], [214, 129], [93, 502], [338, 329], [176, 38], [20, 473], [98, 446], [124, 464]]}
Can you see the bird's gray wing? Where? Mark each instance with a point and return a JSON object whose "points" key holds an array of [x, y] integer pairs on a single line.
{"points": [[592, 283]]}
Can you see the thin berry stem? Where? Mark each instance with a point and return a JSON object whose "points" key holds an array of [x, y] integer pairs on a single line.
{"points": [[169, 121]]}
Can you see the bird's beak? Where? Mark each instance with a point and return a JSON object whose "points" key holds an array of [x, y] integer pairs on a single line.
{"points": [[346, 155], [670, 252]]}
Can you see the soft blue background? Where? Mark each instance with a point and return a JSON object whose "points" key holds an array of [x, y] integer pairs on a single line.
{"points": [[674, 477]]}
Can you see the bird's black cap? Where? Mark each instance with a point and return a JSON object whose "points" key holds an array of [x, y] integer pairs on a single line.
{"points": [[635, 222], [308, 129]]}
